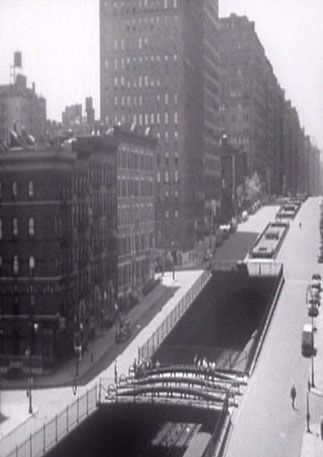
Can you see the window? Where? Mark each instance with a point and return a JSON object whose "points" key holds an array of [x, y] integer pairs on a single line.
{"points": [[31, 264], [166, 176], [166, 214], [176, 214], [176, 176], [166, 118], [15, 226], [158, 176], [166, 99], [176, 117], [31, 226], [14, 189], [15, 265]]}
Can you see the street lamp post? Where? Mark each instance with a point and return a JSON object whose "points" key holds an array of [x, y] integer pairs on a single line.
{"points": [[78, 354], [173, 255], [308, 416]]}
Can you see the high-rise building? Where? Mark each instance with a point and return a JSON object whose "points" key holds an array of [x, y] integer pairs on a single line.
{"points": [[20, 105], [72, 116], [251, 99], [160, 70]]}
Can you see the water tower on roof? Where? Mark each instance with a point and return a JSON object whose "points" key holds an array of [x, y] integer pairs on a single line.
{"points": [[17, 63]]}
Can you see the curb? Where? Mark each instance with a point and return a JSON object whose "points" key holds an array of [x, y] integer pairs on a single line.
{"points": [[263, 334]]}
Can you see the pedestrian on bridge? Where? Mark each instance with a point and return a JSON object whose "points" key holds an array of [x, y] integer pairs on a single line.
{"points": [[293, 395]]}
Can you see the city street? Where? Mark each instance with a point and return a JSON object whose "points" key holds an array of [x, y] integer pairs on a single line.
{"points": [[265, 423]]}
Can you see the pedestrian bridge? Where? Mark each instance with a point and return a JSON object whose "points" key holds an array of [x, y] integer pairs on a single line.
{"points": [[177, 385]]}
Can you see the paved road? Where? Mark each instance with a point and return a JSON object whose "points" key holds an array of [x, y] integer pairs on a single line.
{"points": [[265, 424]]}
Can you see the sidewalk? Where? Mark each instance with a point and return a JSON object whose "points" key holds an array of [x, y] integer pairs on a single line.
{"points": [[104, 349], [312, 444]]}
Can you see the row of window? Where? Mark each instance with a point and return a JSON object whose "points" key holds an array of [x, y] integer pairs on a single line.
{"points": [[31, 227], [131, 187], [14, 189], [140, 62], [128, 159], [140, 82], [145, 119], [123, 7], [15, 264], [167, 176], [138, 101]]}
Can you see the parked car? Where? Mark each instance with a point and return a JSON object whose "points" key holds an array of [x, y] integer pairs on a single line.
{"points": [[316, 281], [124, 331], [244, 216], [307, 341], [313, 311]]}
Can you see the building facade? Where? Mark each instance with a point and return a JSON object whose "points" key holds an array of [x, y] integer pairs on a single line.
{"points": [[58, 247], [20, 105], [136, 167], [255, 115], [159, 70]]}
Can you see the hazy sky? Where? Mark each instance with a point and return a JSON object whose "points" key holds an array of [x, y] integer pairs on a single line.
{"points": [[59, 40]]}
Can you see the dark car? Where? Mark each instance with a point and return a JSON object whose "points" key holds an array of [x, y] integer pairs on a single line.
{"points": [[313, 311]]}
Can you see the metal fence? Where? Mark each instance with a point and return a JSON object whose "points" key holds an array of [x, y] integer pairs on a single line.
{"points": [[152, 344], [46, 437]]}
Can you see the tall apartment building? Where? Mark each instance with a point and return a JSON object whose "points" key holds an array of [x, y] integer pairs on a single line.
{"points": [[58, 249], [21, 105], [251, 104], [159, 70]]}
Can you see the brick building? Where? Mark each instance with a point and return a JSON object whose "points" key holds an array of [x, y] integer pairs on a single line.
{"points": [[160, 69], [58, 255], [136, 167], [21, 105]]}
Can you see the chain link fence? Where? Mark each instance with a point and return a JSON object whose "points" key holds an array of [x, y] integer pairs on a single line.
{"points": [[46, 437], [146, 351]]}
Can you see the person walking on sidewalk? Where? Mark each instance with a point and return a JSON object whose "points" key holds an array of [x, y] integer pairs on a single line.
{"points": [[293, 395]]}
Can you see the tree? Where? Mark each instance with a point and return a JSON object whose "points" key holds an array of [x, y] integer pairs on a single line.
{"points": [[253, 187]]}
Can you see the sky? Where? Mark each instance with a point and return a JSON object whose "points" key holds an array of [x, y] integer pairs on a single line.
{"points": [[59, 40]]}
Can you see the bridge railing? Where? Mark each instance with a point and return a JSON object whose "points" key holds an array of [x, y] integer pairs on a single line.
{"points": [[152, 344], [47, 436]]}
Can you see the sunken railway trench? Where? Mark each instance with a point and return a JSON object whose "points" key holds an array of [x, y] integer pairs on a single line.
{"points": [[222, 327]]}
